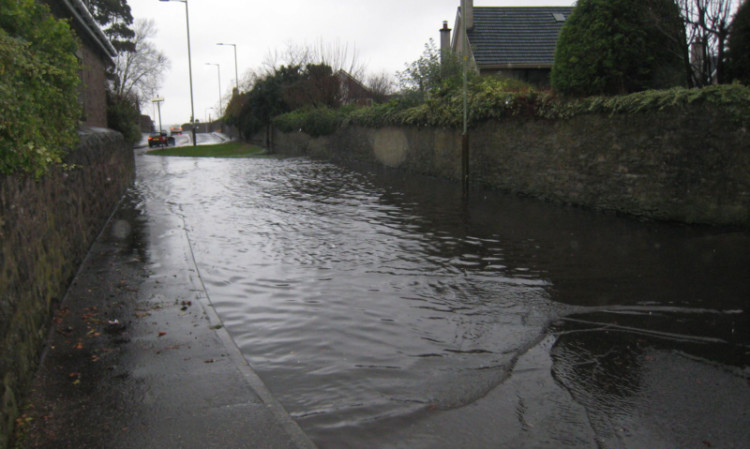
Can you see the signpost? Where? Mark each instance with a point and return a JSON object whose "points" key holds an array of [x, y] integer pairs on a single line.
{"points": [[158, 101]]}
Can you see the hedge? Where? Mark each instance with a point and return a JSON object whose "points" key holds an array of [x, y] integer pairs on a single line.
{"points": [[489, 99]]}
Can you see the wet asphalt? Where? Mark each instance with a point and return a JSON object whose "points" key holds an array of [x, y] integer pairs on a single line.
{"points": [[137, 357]]}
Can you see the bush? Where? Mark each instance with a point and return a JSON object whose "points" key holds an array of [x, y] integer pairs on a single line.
{"points": [[124, 116], [316, 122], [615, 47], [739, 45], [39, 107], [488, 98]]}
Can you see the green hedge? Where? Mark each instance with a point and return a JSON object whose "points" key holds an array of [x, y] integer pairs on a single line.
{"points": [[39, 107], [316, 122], [732, 98], [492, 99], [489, 100]]}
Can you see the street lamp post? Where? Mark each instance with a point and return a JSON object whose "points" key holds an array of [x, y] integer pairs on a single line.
{"points": [[236, 75], [218, 68], [190, 66], [465, 135]]}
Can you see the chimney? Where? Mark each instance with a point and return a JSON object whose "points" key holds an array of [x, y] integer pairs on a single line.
{"points": [[445, 42], [469, 16]]}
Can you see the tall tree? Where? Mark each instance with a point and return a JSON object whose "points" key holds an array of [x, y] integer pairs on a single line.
{"points": [[252, 111], [138, 73], [317, 86], [337, 55], [610, 47], [739, 45], [381, 85], [116, 19], [427, 72], [707, 24]]}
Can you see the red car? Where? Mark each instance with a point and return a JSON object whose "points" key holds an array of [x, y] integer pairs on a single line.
{"points": [[160, 139]]}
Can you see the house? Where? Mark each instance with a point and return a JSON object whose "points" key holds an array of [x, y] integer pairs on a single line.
{"points": [[95, 53], [518, 42], [352, 91]]}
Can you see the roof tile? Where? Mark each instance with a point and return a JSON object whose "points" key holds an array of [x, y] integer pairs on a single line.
{"points": [[516, 35]]}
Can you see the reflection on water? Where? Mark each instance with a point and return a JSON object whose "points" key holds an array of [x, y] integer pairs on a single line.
{"points": [[378, 303]]}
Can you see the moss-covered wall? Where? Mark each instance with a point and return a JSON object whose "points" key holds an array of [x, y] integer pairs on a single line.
{"points": [[689, 164], [46, 228]]}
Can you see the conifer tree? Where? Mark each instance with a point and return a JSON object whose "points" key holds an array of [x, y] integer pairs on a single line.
{"points": [[739, 45], [610, 47]]}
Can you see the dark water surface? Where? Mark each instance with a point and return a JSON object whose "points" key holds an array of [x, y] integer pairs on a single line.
{"points": [[383, 310]]}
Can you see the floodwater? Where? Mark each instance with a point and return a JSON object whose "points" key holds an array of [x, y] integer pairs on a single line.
{"points": [[384, 310]]}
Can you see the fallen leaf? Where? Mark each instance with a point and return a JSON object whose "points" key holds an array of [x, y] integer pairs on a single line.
{"points": [[162, 333], [168, 348]]}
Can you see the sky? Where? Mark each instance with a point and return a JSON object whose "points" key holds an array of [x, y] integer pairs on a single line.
{"points": [[382, 35]]}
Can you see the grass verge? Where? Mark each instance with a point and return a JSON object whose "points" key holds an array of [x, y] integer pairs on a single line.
{"points": [[229, 149]]}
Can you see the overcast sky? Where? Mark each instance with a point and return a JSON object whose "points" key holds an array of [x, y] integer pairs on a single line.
{"points": [[385, 34]]}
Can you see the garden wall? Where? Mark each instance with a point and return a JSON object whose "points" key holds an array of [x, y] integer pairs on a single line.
{"points": [[46, 229], [689, 165]]}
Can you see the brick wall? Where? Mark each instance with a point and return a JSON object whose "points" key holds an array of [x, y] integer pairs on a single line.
{"points": [[93, 89]]}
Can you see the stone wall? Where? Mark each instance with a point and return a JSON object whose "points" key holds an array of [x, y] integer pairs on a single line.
{"points": [[46, 228], [690, 166]]}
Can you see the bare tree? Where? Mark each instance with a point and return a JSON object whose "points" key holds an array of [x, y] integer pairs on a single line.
{"points": [[381, 85], [707, 25], [138, 74], [340, 56], [337, 55]]}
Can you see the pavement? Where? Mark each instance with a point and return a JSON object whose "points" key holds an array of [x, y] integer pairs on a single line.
{"points": [[138, 358]]}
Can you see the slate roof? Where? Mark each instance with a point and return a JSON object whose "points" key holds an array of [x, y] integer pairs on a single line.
{"points": [[516, 36]]}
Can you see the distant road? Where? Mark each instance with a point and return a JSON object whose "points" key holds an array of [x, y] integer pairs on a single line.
{"points": [[201, 138]]}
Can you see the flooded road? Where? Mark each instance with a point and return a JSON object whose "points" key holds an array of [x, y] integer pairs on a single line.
{"points": [[384, 310]]}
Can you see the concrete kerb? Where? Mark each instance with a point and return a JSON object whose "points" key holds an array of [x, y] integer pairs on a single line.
{"points": [[297, 435]]}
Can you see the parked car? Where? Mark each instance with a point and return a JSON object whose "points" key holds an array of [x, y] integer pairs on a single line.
{"points": [[176, 130], [160, 139]]}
